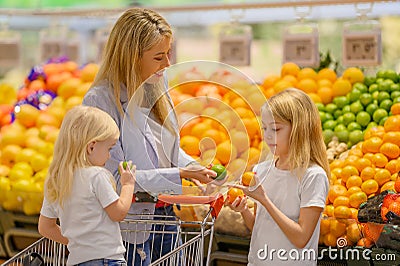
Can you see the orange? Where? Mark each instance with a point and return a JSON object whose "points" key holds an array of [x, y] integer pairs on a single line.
{"points": [[307, 85], [248, 178], [393, 166], [324, 227], [187, 126], [240, 140], [337, 228], [341, 201], [252, 126], [354, 213], [244, 112], [353, 232], [289, 68], [307, 72], [335, 191], [292, 79], [239, 102], [269, 92], [356, 151], [251, 155], [369, 156], [37, 84], [336, 164], [382, 176], [378, 131], [372, 145], [388, 186], [327, 73], [330, 240], [190, 145], [233, 193], [362, 163], [395, 109], [27, 115], [214, 135], [392, 137], [370, 186], [397, 185], [379, 160], [270, 81], [341, 87], [353, 74], [391, 150], [342, 212], [357, 198], [352, 190], [392, 123], [351, 160], [353, 181], [367, 173], [324, 83], [347, 171], [199, 129], [329, 210], [226, 152], [282, 85], [325, 94], [89, 72], [314, 97]]}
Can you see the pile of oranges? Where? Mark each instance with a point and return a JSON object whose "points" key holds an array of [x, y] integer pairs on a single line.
{"points": [[321, 86], [220, 125], [370, 168]]}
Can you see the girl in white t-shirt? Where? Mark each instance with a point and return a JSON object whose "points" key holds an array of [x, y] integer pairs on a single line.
{"points": [[292, 188], [80, 192]]}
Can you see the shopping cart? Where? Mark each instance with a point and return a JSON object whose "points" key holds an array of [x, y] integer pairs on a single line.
{"points": [[191, 246]]}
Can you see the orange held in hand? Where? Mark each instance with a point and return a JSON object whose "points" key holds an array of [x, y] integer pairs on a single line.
{"points": [[233, 193], [248, 179]]}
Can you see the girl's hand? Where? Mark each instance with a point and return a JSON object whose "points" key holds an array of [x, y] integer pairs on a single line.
{"points": [[128, 174], [258, 193], [238, 205]]}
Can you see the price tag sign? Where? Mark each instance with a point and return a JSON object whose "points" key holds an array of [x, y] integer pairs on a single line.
{"points": [[51, 48], [235, 50], [362, 48], [301, 49], [73, 50], [10, 51]]}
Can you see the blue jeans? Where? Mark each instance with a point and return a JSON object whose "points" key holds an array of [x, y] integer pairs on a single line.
{"points": [[103, 262], [157, 245]]}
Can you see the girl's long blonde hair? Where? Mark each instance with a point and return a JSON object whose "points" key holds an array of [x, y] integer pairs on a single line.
{"points": [[306, 141], [81, 126], [136, 31]]}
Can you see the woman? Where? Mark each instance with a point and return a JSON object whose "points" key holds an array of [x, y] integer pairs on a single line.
{"points": [[137, 49]]}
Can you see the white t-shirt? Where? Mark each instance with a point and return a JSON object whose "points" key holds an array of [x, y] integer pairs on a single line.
{"points": [[90, 231], [269, 245]]}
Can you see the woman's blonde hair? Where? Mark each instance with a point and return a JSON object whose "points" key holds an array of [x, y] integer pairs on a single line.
{"points": [[306, 141], [135, 32], [80, 126]]}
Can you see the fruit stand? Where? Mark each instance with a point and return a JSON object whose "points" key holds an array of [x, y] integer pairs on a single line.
{"points": [[218, 110]]}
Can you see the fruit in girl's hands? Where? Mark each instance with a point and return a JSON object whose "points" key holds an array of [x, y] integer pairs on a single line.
{"points": [[220, 170], [248, 179], [233, 193], [125, 166]]}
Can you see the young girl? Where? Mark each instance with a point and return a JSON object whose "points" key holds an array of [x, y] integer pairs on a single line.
{"points": [[293, 187], [80, 192]]}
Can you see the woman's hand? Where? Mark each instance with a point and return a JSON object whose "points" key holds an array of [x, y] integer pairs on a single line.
{"points": [[198, 172]]}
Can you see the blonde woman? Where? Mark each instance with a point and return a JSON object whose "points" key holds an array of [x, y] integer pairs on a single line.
{"points": [[293, 186], [138, 49], [81, 193]]}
